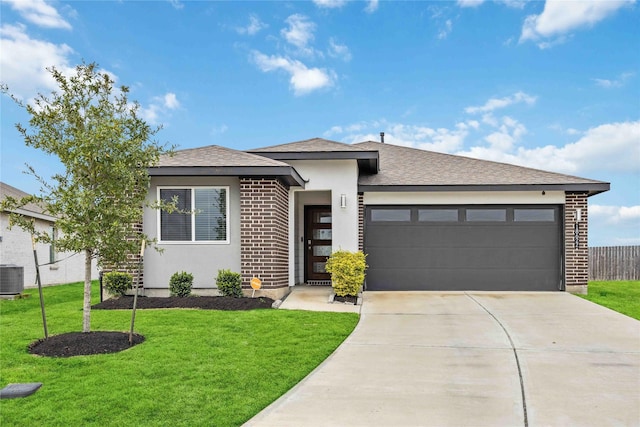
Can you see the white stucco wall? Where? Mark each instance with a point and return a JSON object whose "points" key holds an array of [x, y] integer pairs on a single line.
{"points": [[464, 198], [16, 248], [203, 260], [302, 199], [334, 177]]}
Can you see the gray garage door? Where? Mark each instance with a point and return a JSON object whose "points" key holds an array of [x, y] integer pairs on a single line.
{"points": [[494, 248]]}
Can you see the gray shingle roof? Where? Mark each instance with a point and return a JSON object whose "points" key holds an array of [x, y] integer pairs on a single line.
{"points": [[313, 145], [396, 167], [8, 190], [215, 156], [404, 166]]}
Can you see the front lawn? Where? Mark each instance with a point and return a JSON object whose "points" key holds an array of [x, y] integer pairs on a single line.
{"points": [[621, 296], [196, 367]]}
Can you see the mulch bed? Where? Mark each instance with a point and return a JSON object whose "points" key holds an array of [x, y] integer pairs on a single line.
{"points": [[346, 299], [83, 344], [204, 303], [87, 343]]}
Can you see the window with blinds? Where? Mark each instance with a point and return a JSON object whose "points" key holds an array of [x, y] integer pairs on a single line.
{"points": [[201, 215]]}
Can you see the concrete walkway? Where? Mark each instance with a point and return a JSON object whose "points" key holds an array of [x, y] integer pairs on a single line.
{"points": [[473, 359], [315, 298]]}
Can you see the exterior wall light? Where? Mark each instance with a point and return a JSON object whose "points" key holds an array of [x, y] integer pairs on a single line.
{"points": [[343, 201]]}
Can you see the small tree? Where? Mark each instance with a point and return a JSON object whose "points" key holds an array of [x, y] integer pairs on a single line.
{"points": [[105, 148]]}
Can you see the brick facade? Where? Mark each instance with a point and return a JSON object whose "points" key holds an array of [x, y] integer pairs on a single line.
{"points": [[576, 249], [264, 229], [131, 265], [361, 222]]}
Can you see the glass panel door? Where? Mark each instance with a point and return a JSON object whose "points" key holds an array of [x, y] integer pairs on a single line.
{"points": [[318, 236]]}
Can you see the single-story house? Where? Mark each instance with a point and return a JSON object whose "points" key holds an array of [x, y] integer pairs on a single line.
{"points": [[426, 220], [16, 247]]}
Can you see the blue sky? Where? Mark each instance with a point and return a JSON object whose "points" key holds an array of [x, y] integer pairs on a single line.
{"points": [[553, 85]]}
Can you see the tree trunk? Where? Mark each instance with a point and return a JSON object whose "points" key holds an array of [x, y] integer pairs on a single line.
{"points": [[86, 308]]}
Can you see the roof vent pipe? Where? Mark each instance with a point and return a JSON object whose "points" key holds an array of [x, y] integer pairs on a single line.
{"points": [[382, 137]]}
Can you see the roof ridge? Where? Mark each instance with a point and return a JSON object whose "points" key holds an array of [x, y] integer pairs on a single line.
{"points": [[323, 145]]}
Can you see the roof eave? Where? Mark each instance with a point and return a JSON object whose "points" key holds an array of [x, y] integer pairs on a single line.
{"points": [[591, 188], [287, 174], [368, 161], [32, 214]]}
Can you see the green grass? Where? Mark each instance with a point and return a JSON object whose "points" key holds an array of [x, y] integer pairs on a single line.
{"points": [[621, 296], [196, 367]]}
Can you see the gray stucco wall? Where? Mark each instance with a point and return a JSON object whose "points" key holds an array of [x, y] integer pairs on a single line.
{"points": [[203, 260], [16, 248]]}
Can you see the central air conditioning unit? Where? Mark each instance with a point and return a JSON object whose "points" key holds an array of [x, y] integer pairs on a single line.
{"points": [[11, 279]]}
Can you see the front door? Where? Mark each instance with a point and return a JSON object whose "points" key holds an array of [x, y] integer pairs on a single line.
{"points": [[317, 243]]}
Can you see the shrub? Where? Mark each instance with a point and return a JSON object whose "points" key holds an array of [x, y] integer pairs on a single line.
{"points": [[347, 272], [180, 284], [117, 283], [229, 283]]}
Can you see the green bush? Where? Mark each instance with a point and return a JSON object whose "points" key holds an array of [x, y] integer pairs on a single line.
{"points": [[347, 272], [117, 283], [180, 284], [229, 283]]}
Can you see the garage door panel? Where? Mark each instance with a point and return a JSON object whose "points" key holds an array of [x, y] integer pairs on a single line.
{"points": [[503, 255], [462, 280], [390, 236]]}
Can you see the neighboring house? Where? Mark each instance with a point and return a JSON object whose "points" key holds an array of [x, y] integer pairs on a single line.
{"points": [[426, 220], [16, 247]]}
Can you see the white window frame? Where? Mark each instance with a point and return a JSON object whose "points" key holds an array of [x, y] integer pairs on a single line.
{"points": [[193, 216]]}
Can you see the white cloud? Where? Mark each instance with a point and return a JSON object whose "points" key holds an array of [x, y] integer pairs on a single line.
{"points": [[24, 61], [497, 103], [337, 50], [372, 6], [254, 26], [424, 137], [171, 101], [218, 130], [618, 82], [445, 30], [303, 80], [507, 134], [609, 147], [514, 4], [329, 4], [40, 13], [470, 3], [560, 17], [300, 31], [616, 214], [177, 4], [159, 106]]}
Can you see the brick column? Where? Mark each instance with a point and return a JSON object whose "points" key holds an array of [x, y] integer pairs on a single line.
{"points": [[361, 222], [264, 242], [576, 250], [130, 265]]}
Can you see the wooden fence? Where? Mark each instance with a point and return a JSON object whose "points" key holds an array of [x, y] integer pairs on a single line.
{"points": [[614, 263]]}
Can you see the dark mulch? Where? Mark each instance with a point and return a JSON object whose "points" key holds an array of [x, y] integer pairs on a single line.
{"points": [[79, 343], [204, 303], [83, 343], [346, 299]]}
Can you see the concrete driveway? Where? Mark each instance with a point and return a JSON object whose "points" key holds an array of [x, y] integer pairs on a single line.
{"points": [[474, 359]]}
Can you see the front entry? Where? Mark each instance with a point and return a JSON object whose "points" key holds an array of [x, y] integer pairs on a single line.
{"points": [[317, 240]]}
